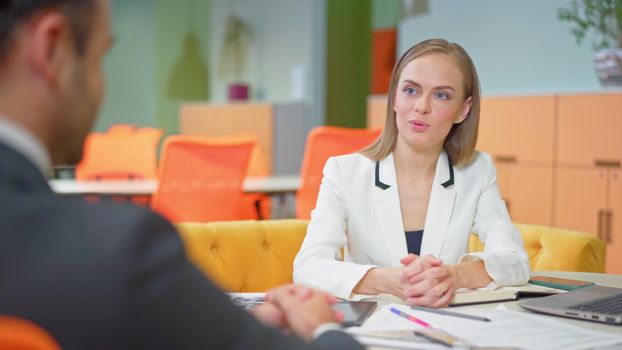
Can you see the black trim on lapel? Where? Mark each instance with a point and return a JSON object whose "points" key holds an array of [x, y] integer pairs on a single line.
{"points": [[378, 182], [451, 174]]}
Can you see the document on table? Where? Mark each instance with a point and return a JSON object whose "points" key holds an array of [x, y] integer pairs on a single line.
{"points": [[506, 329]]}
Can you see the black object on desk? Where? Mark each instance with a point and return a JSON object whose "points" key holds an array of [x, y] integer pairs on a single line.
{"points": [[354, 312]]}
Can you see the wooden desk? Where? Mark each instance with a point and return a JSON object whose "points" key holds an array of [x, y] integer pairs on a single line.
{"points": [[270, 185]]}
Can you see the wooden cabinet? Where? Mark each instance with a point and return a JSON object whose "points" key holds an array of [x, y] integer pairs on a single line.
{"points": [[518, 128], [589, 153], [613, 236], [376, 111], [590, 200], [580, 195], [589, 128], [526, 190], [281, 128], [516, 132]]}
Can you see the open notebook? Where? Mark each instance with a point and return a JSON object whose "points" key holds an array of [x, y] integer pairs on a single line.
{"points": [[480, 296]]}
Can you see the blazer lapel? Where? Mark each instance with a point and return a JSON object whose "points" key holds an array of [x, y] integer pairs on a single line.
{"points": [[388, 211], [440, 207]]}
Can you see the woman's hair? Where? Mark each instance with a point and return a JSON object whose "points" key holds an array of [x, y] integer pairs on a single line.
{"points": [[460, 142]]}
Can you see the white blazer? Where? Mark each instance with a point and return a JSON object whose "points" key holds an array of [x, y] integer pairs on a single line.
{"points": [[358, 208]]}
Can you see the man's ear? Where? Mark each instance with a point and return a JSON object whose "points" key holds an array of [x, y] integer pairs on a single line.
{"points": [[465, 111], [50, 45]]}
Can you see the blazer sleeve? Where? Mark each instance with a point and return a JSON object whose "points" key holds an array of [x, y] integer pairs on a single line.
{"points": [[318, 263], [171, 305], [504, 255]]}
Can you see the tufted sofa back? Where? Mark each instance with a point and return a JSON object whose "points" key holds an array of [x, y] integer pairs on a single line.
{"points": [[557, 249], [245, 256], [254, 256]]}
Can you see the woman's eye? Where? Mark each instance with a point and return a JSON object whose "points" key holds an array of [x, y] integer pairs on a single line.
{"points": [[442, 96], [410, 91]]}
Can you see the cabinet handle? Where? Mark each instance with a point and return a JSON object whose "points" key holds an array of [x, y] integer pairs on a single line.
{"points": [[601, 216], [608, 232], [607, 163], [505, 159]]}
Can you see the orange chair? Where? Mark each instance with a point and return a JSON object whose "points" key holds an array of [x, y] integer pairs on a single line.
{"points": [[122, 129], [200, 180], [252, 206], [322, 143], [120, 154], [19, 334]]}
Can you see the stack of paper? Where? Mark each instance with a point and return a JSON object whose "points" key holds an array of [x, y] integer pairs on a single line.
{"points": [[506, 329]]}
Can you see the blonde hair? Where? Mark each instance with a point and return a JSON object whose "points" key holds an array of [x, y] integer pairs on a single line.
{"points": [[462, 138]]}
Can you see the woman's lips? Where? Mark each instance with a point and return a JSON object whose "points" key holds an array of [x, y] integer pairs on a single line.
{"points": [[418, 125]]}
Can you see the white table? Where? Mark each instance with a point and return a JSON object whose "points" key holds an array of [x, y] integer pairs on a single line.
{"points": [[281, 187], [270, 185], [598, 278]]}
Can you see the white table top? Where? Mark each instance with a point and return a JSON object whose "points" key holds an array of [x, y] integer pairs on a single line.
{"points": [[268, 185], [600, 279]]}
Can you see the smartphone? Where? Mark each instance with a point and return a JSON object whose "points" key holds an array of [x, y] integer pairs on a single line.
{"points": [[559, 283], [355, 312]]}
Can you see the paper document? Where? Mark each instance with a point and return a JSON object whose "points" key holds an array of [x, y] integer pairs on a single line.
{"points": [[506, 329], [395, 339]]}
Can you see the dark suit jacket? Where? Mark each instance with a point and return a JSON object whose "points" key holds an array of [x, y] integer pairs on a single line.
{"points": [[109, 276]]}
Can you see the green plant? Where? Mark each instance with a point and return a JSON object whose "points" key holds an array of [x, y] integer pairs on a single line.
{"points": [[238, 37], [601, 16]]}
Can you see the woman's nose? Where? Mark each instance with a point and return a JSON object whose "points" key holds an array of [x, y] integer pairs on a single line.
{"points": [[422, 105]]}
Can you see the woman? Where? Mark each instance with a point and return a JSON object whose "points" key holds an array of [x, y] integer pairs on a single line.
{"points": [[404, 207]]}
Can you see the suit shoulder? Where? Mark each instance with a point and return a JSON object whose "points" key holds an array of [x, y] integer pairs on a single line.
{"points": [[352, 160], [481, 161]]}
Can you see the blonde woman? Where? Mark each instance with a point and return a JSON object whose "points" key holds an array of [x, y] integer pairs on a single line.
{"points": [[404, 207]]}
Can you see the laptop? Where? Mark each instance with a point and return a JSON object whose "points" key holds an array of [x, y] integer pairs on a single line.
{"points": [[594, 303]]}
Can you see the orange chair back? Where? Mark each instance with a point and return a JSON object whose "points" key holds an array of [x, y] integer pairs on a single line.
{"points": [[200, 180], [324, 142], [122, 129], [253, 206], [257, 165], [121, 153], [19, 334]]}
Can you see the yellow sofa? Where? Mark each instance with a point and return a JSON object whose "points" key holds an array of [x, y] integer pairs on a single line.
{"points": [[254, 256]]}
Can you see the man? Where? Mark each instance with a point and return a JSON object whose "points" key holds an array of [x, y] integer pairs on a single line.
{"points": [[105, 276]]}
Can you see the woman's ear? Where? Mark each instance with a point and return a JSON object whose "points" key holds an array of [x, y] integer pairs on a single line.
{"points": [[465, 110]]}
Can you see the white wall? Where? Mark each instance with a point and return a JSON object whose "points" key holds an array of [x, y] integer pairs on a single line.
{"points": [[130, 66], [518, 46]]}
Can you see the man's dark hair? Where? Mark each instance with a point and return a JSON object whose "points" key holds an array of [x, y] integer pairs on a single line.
{"points": [[14, 12]]}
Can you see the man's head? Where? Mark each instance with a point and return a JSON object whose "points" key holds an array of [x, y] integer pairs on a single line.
{"points": [[51, 78]]}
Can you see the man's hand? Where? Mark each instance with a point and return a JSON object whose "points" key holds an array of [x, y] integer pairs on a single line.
{"points": [[299, 309], [270, 315]]}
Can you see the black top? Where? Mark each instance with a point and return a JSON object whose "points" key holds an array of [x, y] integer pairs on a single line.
{"points": [[413, 241]]}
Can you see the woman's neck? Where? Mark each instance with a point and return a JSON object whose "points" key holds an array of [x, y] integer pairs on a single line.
{"points": [[414, 163]]}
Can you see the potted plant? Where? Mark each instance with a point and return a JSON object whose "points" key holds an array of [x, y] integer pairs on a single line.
{"points": [[236, 44], [604, 18]]}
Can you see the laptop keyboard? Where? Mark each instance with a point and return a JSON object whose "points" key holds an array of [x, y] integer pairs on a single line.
{"points": [[610, 305]]}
